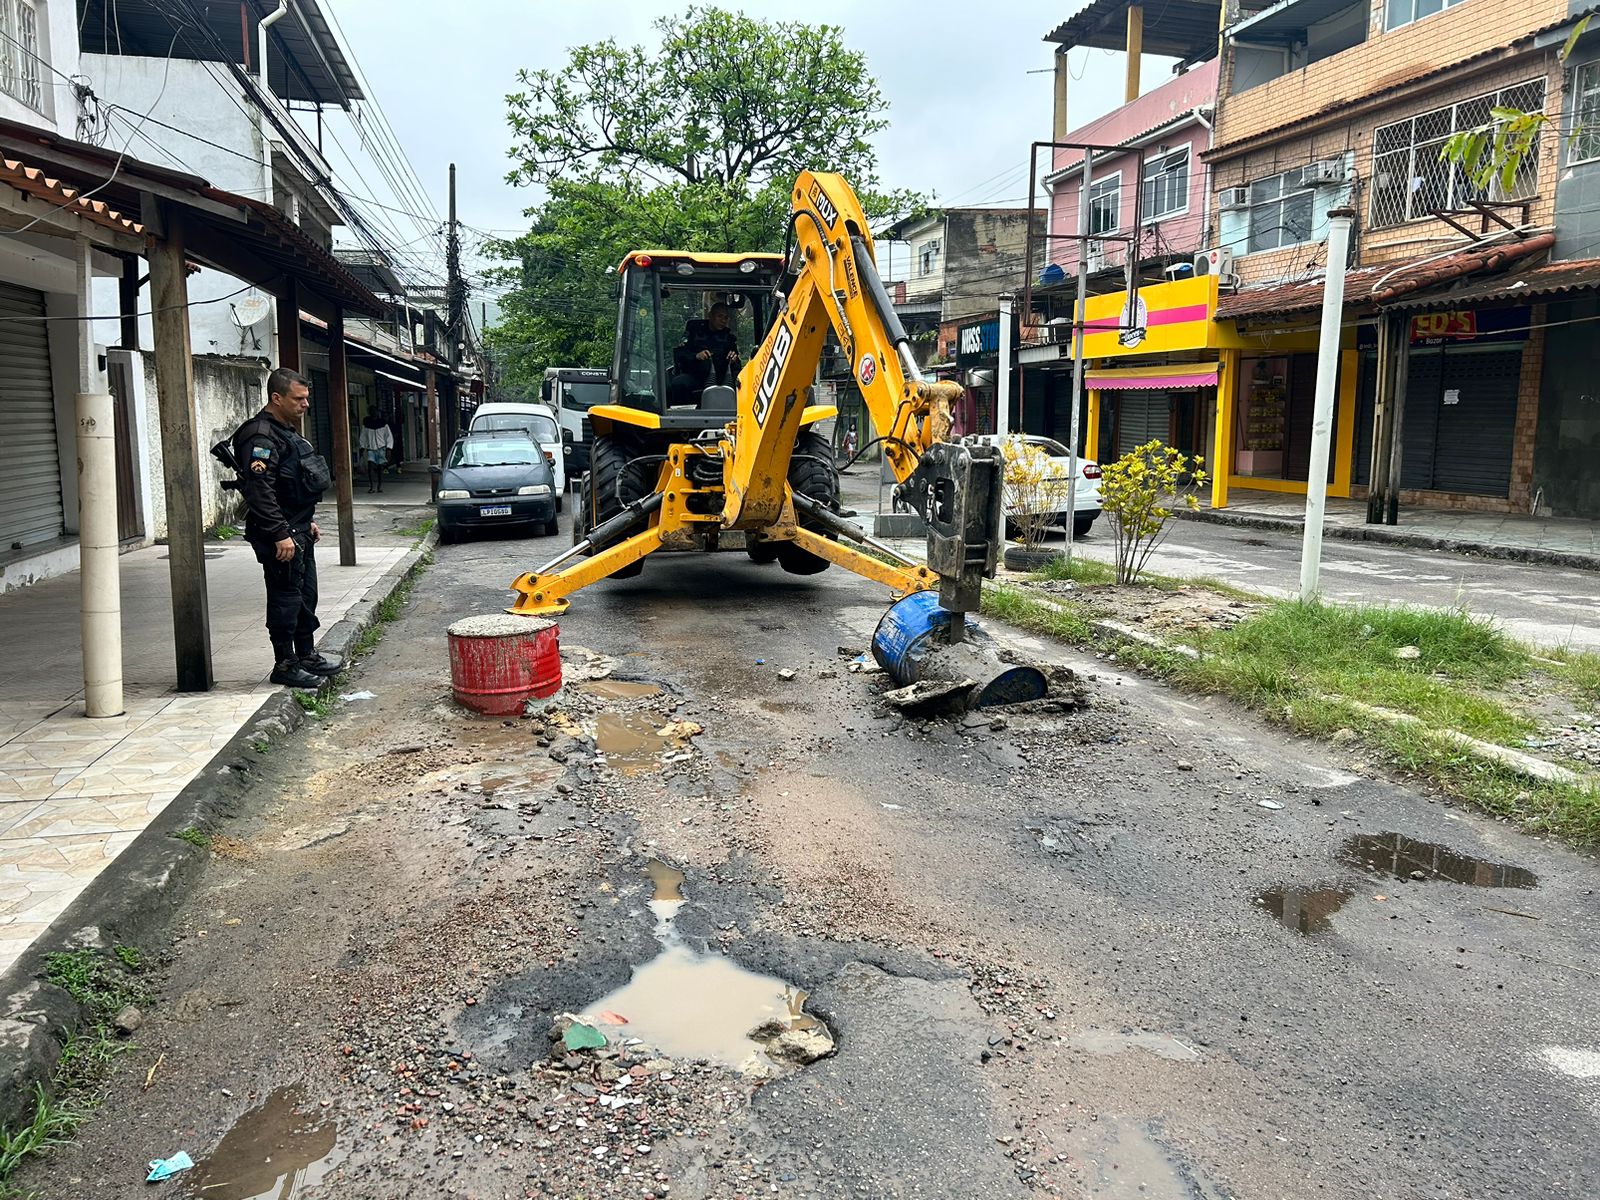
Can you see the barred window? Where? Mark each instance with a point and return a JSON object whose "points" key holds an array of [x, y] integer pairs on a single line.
{"points": [[1166, 185], [1409, 179], [1105, 204], [20, 67], [1585, 112]]}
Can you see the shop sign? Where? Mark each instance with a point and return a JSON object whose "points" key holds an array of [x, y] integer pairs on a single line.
{"points": [[1470, 325], [1164, 317], [978, 341]]}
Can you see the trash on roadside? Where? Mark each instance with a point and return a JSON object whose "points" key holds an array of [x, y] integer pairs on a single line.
{"points": [[1408, 652], [611, 1018], [786, 674], [361, 695], [761, 662], [1273, 804], [579, 1036], [166, 1168]]}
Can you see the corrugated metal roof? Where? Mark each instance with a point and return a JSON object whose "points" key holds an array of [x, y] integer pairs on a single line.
{"points": [[1185, 29]]}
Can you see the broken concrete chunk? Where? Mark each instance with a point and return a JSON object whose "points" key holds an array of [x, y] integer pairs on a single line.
{"points": [[932, 695], [128, 1020]]}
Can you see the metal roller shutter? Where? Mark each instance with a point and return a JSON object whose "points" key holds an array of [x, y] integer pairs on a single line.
{"points": [[1420, 421], [30, 470], [1142, 417], [1478, 425], [1366, 414]]}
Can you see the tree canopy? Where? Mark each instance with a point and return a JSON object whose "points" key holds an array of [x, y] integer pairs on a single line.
{"points": [[692, 144]]}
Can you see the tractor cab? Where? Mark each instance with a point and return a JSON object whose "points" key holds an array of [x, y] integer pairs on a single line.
{"points": [[688, 325]]}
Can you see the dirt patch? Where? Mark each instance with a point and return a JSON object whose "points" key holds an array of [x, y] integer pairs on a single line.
{"points": [[1188, 609]]}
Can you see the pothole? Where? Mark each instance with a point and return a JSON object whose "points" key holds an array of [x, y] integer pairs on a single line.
{"points": [[619, 689], [1305, 910], [1401, 857], [270, 1151], [690, 1005], [1105, 1042], [634, 743]]}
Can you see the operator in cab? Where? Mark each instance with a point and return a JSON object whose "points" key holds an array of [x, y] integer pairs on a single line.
{"points": [[709, 353]]}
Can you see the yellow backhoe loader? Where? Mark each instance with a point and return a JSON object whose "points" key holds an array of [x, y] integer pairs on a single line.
{"points": [[700, 441]]}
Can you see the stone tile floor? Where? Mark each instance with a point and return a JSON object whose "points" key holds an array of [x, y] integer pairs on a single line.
{"points": [[74, 792]]}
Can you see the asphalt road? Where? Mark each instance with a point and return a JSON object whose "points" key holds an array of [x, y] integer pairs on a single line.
{"points": [[1150, 949]]}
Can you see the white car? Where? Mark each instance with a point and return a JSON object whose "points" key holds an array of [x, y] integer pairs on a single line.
{"points": [[1086, 499], [538, 421]]}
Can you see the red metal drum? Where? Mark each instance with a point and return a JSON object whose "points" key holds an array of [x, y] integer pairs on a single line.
{"points": [[498, 662]]}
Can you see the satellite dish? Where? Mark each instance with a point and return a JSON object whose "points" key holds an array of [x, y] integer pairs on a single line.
{"points": [[250, 310]]}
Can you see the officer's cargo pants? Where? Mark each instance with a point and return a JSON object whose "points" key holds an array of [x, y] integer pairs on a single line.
{"points": [[291, 591]]}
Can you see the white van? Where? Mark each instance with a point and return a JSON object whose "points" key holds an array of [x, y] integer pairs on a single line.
{"points": [[538, 421]]}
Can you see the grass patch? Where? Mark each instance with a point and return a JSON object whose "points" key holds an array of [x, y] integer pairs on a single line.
{"points": [[418, 531], [1017, 606], [388, 610], [1580, 669], [317, 704], [1090, 572], [225, 533], [104, 985], [195, 837]]}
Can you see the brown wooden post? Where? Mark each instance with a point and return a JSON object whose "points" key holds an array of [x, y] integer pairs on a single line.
{"points": [[289, 326], [432, 402], [180, 455], [128, 297], [1135, 49], [339, 419]]}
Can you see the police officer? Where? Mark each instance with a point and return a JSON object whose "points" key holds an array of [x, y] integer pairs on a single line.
{"points": [[709, 350], [282, 477]]}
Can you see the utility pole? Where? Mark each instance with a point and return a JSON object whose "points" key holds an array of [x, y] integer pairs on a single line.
{"points": [[1002, 402], [456, 316], [1080, 316], [1322, 415]]}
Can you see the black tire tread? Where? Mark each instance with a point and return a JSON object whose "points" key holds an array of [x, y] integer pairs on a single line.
{"points": [[812, 473]]}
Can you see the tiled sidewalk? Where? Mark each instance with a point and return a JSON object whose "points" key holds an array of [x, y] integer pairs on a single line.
{"points": [[75, 792]]}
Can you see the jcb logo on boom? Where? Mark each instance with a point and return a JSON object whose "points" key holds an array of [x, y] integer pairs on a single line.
{"points": [[781, 345], [825, 208]]}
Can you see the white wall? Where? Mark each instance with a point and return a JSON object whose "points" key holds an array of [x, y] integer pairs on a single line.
{"points": [[227, 391], [58, 46], [227, 151]]}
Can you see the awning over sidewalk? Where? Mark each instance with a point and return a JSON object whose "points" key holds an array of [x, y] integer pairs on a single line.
{"points": [[1175, 377], [1517, 286]]}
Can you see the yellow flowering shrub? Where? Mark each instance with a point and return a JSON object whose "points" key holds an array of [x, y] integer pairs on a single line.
{"points": [[1138, 494], [1032, 497]]}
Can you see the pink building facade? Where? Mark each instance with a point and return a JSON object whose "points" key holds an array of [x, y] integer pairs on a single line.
{"points": [[1172, 126]]}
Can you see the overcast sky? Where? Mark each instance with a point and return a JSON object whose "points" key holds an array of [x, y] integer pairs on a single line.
{"points": [[963, 103]]}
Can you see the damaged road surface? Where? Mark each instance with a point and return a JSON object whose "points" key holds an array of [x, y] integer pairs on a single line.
{"points": [[719, 921]]}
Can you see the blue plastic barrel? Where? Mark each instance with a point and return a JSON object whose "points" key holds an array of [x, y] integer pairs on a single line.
{"points": [[917, 624]]}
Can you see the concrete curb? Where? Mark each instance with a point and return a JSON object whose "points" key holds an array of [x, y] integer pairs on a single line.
{"points": [[131, 896], [1391, 536]]}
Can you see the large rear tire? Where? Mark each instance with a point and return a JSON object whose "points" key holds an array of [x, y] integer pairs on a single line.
{"points": [[617, 480], [812, 473]]}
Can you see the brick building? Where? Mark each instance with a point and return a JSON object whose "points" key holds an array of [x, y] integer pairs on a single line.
{"points": [[1329, 104]]}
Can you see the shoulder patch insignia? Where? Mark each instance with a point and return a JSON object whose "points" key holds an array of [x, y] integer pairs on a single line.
{"points": [[259, 467], [260, 451]]}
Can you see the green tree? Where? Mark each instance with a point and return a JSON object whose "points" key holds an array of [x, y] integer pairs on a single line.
{"points": [[692, 145], [1493, 154]]}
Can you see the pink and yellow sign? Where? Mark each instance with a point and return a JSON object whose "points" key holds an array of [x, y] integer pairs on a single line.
{"points": [[1163, 317]]}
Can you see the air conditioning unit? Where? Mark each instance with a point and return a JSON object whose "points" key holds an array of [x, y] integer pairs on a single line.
{"points": [[1234, 198], [1218, 261], [1330, 172], [1095, 255]]}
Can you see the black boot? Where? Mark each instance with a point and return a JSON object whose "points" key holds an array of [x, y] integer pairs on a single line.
{"points": [[288, 671], [320, 664]]}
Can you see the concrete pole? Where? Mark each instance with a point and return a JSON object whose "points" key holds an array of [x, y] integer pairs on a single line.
{"points": [[1135, 48], [99, 570], [1002, 403], [1080, 316], [1322, 415], [1062, 79]]}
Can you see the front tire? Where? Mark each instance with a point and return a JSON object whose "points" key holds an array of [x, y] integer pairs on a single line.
{"points": [[616, 480], [812, 473], [1080, 526]]}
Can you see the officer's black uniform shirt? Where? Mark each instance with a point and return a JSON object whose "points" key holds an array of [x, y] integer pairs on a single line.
{"points": [[268, 453]]}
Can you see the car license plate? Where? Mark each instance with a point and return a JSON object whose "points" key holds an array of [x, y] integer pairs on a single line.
{"points": [[494, 510]]}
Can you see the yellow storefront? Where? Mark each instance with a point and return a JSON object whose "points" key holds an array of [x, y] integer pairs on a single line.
{"points": [[1242, 398]]}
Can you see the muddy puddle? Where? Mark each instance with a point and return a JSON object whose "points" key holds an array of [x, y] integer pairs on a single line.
{"points": [[272, 1151], [634, 743], [1401, 857], [1118, 1159], [691, 1005], [618, 689], [1305, 910]]}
